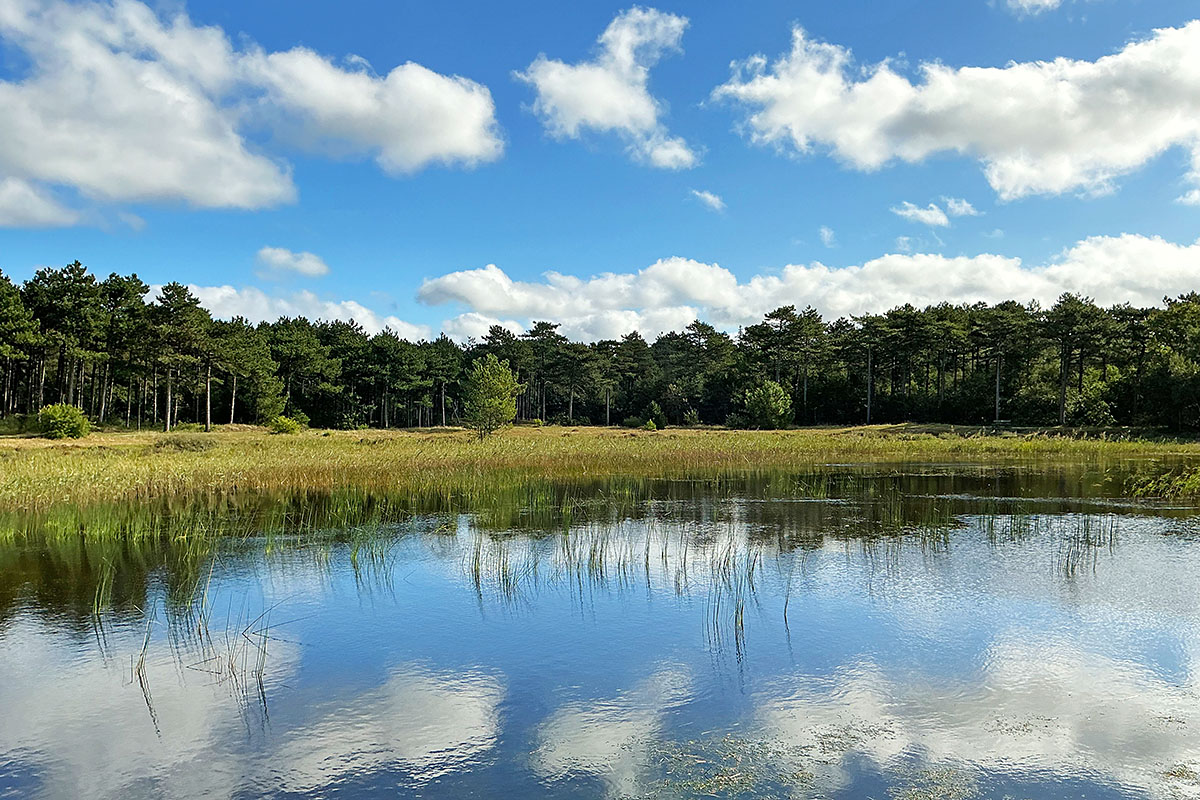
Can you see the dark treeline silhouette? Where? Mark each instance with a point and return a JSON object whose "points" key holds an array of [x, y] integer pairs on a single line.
{"points": [[67, 337]]}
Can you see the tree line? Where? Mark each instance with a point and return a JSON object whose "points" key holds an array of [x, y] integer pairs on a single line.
{"points": [[67, 336]]}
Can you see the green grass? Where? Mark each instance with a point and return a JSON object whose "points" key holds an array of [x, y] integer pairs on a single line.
{"points": [[36, 474]]}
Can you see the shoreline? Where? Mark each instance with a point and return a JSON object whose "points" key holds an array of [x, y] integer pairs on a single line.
{"points": [[37, 474]]}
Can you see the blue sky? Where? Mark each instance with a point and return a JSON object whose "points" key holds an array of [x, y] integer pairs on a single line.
{"points": [[1076, 174]]}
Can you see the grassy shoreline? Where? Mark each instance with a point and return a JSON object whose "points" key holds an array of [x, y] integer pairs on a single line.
{"points": [[36, 474]]}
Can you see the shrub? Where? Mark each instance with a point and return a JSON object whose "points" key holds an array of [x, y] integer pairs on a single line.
{"points": [[183, 443], [691, 418], [489, 396], [768, 406], [19, 423], [63, 421], [283, 424], [633, 422], [649, 426], [655, 413]]}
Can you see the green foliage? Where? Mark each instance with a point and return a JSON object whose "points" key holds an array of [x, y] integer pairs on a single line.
{"points": [[489, 395], [768, 406], [654, 413], [285, 425], [633, 422], [67, 337], [183, 443], [63, 421], [649, 426]]}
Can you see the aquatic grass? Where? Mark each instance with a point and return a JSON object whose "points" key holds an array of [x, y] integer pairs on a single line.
{"points": [[131, 467]]}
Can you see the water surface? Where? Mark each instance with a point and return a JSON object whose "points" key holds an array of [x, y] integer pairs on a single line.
{"points": [[908, 632]]}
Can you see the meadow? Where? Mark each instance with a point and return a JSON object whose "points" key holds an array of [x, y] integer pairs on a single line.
{"points": [[36, 474]]}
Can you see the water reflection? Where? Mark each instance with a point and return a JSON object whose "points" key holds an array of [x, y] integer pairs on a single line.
{"points": [[928, 634], [420, 722]]}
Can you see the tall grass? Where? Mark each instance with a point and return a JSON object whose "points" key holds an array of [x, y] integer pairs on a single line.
{"points": [[37, 475]]}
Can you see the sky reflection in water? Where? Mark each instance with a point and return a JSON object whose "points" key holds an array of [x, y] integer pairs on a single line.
{"points": [[700, 647]]}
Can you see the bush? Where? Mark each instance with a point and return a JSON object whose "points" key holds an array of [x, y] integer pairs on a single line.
{"points": [[283, 424], [19, 423], [691, 418], [633, 422], [182, 443], [654, 413], [536, 422], [63, 421], [649, 426], [768, 406]]}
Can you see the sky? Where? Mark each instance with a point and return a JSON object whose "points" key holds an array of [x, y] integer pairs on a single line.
{"points": [[449, 166]]}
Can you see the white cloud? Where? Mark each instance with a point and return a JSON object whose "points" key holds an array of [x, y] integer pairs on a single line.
{"points": [[258, 306], [904, 244], [609, 94], [126, 106], [407, 119], [957, 207], [828, 237], [1033, 6], [23, 205], [1044, 127], [932, 215], [279, 259], [709, 199], [672, 292]]}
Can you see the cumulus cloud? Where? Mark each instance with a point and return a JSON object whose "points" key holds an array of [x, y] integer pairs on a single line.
{"points": [[932, 215], [124, 105], [1033, 6], [1043, 127], [610, 93], [23, 205], [709, 199], [278, 260], [673, 292], [957, 207], [257, 306], [406, 119]]}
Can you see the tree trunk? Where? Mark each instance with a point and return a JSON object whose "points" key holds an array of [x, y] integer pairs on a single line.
{"points": [[208, 399], [104, 393], [571, 407], [870, 383], [443, 404], [1064, 369], [999, 364], [169, 407], [232, 396], [607, 406]]}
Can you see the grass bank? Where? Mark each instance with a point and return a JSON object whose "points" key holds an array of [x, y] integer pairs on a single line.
{"points": [[36, 474]]}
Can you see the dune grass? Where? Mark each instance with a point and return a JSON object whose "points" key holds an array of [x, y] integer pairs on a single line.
{"points": [[37, 474]]}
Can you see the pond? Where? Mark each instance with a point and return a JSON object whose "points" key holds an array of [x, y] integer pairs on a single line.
{"points": [[932, 631]]}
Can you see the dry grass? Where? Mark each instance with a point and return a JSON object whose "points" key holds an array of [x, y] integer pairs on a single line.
{"points": [[37, 474]]}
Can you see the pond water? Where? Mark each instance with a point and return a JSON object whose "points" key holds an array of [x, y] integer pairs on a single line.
{"points": [[883, 632]]}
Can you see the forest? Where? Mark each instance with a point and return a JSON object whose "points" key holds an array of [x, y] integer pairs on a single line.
{"points": [[67, 336]]}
